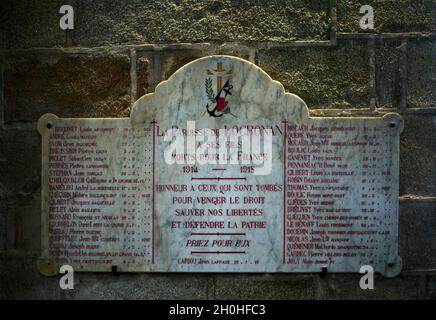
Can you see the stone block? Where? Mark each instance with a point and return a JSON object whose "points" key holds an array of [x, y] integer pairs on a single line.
{"points": [[417, 235], [101, 23], [431, 287], [30, 23], [322, 77], [67, 85], [418, 156], [389, 15], [3, 215], [346, 286], [141, 286], [20, 172], [20, 279], [387, 72], [278, 287], [421, 71]]}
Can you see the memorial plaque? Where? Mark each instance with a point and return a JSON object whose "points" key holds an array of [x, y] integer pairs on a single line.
{"points": [[220, 170]]}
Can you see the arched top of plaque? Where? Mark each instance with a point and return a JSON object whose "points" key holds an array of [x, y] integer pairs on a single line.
{"points": [[219, 89]]}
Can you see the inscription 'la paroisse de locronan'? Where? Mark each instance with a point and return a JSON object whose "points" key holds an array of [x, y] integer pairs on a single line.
{"points": [[220, 170]]}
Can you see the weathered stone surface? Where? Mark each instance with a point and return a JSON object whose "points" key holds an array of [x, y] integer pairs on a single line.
{"points": [[102, 22], [421, 71], [264, 287], [71, 85], [162, 64], [30, 23], [417, 235], [323, 77], [143, 75], [431, 285], [3, 216], [20, 172], [389, 15], [22, 223], [346, 286], [20, 279], [137, 286], [418, 156], [387, 66]]}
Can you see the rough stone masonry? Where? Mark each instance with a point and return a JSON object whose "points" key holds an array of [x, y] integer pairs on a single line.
{"points": [[112, 57]]}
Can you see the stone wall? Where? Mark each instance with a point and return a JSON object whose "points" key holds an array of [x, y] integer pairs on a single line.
{"points": [[120, 50]]}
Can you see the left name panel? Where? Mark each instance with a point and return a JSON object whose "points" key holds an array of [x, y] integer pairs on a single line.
{"points": [[97, 194]]}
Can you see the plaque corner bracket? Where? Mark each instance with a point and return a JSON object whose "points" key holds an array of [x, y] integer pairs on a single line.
{"points": [[45, 122], [47, 267], [393, 268]]}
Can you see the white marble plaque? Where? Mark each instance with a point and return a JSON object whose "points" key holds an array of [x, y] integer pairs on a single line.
{"points": [[220, 170]]}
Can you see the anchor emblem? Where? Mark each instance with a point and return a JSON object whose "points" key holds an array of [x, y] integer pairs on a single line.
{"points": [[218, 105]]}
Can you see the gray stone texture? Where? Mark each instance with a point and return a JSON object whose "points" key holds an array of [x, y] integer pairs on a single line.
{"points": [[97, 23], [418, 156], [387, 72], [322, 77], [20, 172], [346, 286], [276, 287], [67, 85], [421, 71], [417, 235], [19, 279], [431, 286], [102, 22], [30, 23]]}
